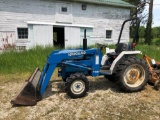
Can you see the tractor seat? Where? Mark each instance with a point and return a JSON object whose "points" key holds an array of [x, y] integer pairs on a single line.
{"points": [[112, 54], [119, 48]]}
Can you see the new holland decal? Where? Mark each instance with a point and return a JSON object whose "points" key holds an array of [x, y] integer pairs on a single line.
{"points": [[77, 53]]}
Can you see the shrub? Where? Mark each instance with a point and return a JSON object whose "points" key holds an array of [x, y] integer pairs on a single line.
{"points": [[157, 41]]}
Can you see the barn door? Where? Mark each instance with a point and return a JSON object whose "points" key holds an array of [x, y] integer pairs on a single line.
{"points": [[89, 32], [72, 37], [43, 35]]}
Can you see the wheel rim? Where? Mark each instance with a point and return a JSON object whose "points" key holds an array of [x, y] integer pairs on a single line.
{"points": [[134, 75], [77, 87]]}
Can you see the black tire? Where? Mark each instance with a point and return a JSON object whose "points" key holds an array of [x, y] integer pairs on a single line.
{"points": [[157, 85], [110, 78], [77, 85], [132, 74], [65, 78]]}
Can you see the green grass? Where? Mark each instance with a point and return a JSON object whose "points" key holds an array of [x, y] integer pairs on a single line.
{"points": [[152, 51], [26, 61]]}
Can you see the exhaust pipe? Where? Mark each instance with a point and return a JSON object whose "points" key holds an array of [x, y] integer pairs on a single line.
{"points": [[85, 41]]}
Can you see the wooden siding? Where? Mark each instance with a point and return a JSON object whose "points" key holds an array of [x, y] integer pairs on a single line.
{"points": [[72, 36], [16, 13], [43, 35], [103, 18], [7, 39], [89, 32]]}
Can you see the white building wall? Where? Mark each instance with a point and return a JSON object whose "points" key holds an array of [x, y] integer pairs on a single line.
{"points": [[103, 18], [7, 39], [16, 13]]}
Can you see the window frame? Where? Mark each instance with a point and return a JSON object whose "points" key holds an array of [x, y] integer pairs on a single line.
{"points": [[22, 33], [109, 35], [84, 7], [64, 6]]}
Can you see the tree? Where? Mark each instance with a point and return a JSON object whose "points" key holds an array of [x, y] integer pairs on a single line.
{"points": [[137, 11], [139, 7], [156, 32], [141, 31], [148, 31]]}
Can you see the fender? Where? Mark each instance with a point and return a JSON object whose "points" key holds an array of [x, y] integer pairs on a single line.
{"points": [[120, 56]]}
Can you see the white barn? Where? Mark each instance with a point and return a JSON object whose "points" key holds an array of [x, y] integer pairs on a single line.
{"points": [[27, 23]]}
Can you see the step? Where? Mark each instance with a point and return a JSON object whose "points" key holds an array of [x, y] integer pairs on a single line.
{"points": [[105, 67]]}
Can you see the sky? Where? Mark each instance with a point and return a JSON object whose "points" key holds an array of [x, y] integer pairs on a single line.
{"points": [[156, 13]]}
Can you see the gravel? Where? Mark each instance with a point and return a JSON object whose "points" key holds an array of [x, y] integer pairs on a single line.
{"points": [[104, 101]]}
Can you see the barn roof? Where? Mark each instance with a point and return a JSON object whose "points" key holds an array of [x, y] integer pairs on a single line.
{"points": [[107, 2]]}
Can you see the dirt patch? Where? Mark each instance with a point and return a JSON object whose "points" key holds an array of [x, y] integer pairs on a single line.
{"points": [[104, 101]]}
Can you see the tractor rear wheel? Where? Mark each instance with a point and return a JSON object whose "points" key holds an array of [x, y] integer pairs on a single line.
{"points": [[77, 85], [110, 78], [132, 74]]}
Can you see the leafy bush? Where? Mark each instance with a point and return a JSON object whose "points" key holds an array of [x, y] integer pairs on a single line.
{"points": [[157, 41]]}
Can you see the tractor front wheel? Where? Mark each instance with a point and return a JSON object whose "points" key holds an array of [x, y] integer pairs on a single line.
{"points": [[77, 85], [132, 74]]}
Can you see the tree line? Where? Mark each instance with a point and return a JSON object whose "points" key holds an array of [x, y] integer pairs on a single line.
{"points": [[147, 32], [155, 32]]}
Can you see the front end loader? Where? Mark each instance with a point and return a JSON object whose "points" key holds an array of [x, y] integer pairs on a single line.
{"points": [[74, 65]]}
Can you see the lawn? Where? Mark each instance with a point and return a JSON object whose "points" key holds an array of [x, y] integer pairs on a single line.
{"points": [[25, 61]]}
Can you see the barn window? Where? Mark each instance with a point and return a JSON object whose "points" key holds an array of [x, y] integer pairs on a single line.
{"points": [[108, 33], [84, 7], [64, 9], [22, 33]]}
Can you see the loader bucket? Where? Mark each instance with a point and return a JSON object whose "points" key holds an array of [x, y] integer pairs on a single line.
{"points": [[29, 95]]}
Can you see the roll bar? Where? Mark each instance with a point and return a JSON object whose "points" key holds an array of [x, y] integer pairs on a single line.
{"points": [[136, 31]]}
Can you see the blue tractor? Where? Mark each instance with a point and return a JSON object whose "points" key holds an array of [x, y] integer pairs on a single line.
{"points": [[121, 66]]}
